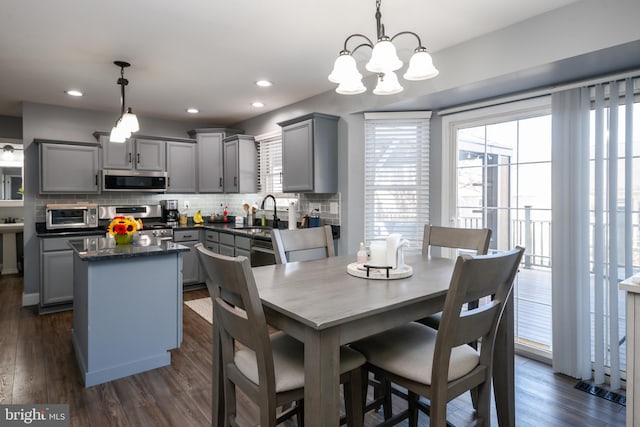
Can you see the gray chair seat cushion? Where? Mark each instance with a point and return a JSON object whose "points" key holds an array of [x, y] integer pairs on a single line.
{"points": [[288, 362], [407, 351]]}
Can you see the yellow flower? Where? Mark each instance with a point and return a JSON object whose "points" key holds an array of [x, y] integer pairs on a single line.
{"points": [[123, 225]]}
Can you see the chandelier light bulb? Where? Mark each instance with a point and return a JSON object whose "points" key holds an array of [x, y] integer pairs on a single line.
{"points": [[117, 134], [388, 84], [344, 69], [421, 66], [351, 87], [384, 57]]}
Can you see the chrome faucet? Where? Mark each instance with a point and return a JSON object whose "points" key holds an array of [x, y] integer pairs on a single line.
{"points": [[275, 211]]}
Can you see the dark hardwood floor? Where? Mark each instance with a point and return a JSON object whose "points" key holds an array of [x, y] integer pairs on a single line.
{"points": [[37, 365]]}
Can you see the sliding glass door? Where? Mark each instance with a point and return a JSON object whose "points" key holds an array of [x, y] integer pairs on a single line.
{"points": [[503, 182]]}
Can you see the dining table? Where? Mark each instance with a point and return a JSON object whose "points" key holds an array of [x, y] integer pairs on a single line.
{"points": [[321, 304]]}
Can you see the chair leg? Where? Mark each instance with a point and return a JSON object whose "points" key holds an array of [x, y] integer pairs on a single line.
{"points": [[483, 412], [300, 414], [413, 408]]}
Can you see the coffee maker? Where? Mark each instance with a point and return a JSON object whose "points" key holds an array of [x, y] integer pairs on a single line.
{"points": [[170, 214]]}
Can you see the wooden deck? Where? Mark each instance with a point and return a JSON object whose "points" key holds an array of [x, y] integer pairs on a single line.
{"points": [[533, 311]]}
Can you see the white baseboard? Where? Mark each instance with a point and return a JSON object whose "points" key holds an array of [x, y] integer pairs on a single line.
{"points": [[30, 299]]}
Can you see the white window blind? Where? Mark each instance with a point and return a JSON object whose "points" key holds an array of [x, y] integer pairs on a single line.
{"points": [[396, 198], [270, 163]]}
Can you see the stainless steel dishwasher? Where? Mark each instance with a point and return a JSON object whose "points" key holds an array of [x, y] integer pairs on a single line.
{"points": [[262, 253]]}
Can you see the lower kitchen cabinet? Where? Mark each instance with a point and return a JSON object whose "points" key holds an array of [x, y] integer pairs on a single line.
{"points": [[211, 241], [191, 272], [227, 244], [56, 272]]}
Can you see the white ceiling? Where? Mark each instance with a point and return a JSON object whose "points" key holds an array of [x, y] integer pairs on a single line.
{"points": [[208, 53]]}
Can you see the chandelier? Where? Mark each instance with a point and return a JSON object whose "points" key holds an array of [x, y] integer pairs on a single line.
{"points": [[384, 61], [127, 123]]}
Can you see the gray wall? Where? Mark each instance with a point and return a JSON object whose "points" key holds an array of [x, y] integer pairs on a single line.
{"points": [[584, 39]]}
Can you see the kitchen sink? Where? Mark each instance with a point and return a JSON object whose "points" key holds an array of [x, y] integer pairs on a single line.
{"points": [[265, 231]]}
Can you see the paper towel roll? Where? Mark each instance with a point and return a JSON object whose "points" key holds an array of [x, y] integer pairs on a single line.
{"points": [[292, 216], [393, 241]]}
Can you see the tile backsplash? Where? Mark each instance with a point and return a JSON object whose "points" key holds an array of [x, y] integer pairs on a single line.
{"points": [[209, 203]]}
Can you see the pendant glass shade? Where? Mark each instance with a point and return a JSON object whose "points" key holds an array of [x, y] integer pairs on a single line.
{"points": [[118, 134], [421, 66], [388, 84], [130, 122], [384, 57], [344, 69]]}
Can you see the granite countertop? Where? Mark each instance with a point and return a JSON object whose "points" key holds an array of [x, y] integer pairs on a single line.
{"points": [[102, 248], [263, 233]]}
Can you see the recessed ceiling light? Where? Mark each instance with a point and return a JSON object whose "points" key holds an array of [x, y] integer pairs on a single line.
{"points": [[73, 92], [263, 83], [192, 110], [257, 104]]}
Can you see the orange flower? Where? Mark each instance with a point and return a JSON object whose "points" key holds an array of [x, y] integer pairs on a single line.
{"points": [[123, 225]]}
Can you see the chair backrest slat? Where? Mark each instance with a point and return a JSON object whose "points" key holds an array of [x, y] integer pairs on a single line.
{"points": [[302, 245], [477, 239]]}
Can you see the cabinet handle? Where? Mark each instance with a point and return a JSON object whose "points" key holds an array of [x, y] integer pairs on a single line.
{"points": [[138, 157], [129, 156], [235, 181], [96, 179], [187, 236], [220, 181], [169, 182]]}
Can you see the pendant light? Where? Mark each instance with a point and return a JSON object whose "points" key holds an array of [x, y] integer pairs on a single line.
{"points": [[127, 123], [384, 61]]}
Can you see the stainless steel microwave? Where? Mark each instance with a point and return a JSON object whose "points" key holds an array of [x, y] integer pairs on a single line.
{"points": [[134, 180], [71, 215]]}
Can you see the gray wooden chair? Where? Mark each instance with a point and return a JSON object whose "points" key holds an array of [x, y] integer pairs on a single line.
{"points": [[269, 369], [305, 244], [438, 364], [472, 239]]}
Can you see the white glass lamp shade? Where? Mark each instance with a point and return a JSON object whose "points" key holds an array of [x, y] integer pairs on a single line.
{"points": [[344, 69], [130, 122], [117, 134], [384, 57], [388, 84], [421, 66], [351, 87]]}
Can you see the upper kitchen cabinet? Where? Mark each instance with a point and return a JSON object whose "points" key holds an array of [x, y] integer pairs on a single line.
{"points": [[181, 167], [138, 153], [310, 154], [240, 164], [68, 167], [210, 157]]}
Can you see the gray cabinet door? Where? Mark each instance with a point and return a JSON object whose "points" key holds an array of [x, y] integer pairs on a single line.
{"points": [[227, 250], [231, 176], [240, 164], [116, 155], [56, 277], [190, 264], [210, 163], [150, 155], [181, 167], [297, 157], [68, 168]]}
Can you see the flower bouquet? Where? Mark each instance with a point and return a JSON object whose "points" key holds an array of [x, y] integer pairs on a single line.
{"points": [[122, 228]]}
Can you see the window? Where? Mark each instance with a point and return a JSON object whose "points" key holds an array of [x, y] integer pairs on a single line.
{"points": [[396, 198], [270, 163]]}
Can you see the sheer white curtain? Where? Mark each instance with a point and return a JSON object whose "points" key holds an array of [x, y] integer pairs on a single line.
{"points": [[594, 203]]}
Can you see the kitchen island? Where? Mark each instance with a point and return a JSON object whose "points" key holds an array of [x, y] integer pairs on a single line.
{"points": [[127, 306]]}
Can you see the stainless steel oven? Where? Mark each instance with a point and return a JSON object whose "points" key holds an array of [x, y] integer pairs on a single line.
{"points": [[71, 215]]}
